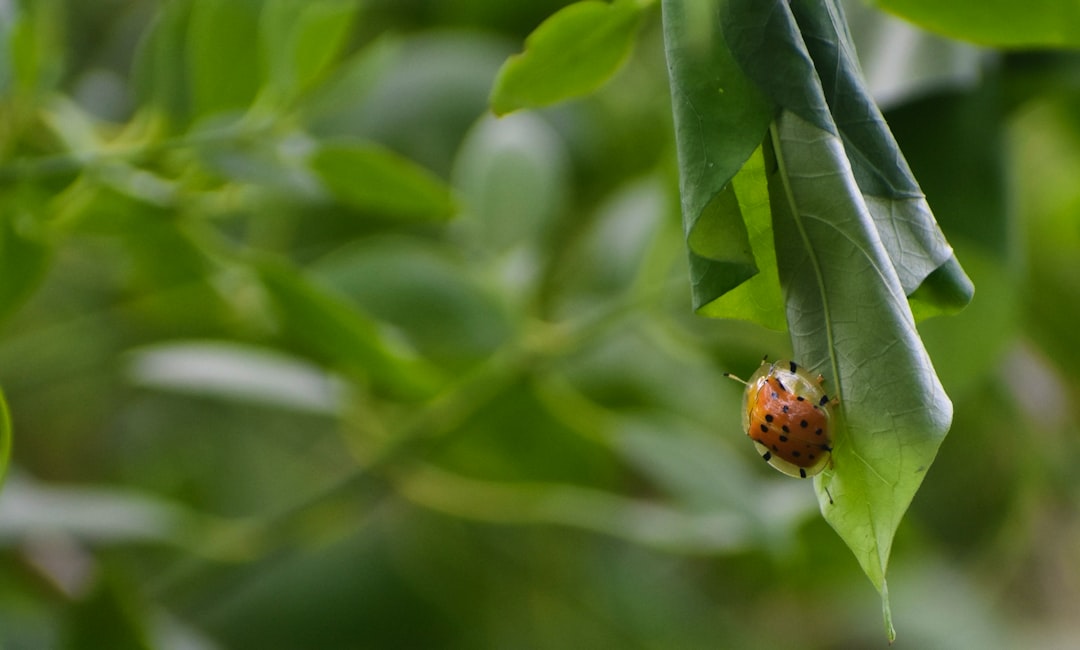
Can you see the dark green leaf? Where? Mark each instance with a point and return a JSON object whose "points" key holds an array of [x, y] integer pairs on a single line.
{"points": [[24, 254], [334, 333], [570, 54], [1000, 23], [368, 177], [720, 119], [801, 55], [108, 618]]}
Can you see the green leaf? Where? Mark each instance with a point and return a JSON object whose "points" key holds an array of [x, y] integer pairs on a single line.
{"points": [[998, 23], [849, 318], [301, 39], [30, 41], [110, 617], [720, 119], [331, 331], [5, 437], [160, 75], [24, 252], [758, 299], [222, 55], [570, 54], [853, 234], [368, 177]]}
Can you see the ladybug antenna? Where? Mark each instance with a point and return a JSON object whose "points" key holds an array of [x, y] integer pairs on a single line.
{"points": [[731, 376]]}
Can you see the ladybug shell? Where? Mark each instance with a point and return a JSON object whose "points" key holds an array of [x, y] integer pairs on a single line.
{"points": [[786, 414]]}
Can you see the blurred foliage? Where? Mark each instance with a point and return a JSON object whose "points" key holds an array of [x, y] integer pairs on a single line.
{"points": [[263, 399]]}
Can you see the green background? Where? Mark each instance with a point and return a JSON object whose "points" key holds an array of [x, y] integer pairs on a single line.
{"points": [[303, 348]]}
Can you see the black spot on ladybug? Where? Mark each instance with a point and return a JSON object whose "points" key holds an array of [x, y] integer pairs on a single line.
{"points": [[764, 428], [824, 400], [804, 424], [775, 395], [818, 432], [801, 398], [795, 454], [811, 456], [794, 367], [802, 473], [768, 417], [783, 438], [767, 456], [785, 409], [786, 429]]}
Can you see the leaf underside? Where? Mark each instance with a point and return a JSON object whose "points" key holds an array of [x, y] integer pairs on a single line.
{"points": [[852, 231]]}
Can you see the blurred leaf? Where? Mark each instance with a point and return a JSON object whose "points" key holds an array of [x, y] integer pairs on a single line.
{"points": [[849, 319], [160, 76], [522, 502], [95, 515], [430, 295], [902, 62], [416, 95], [24, 255], [1001, 23], [5, 438], [570, 54], [615, 254], [108, 618], [235, 371], [366, 176], [513, 177], [30, 46], [337, 335], [301, 39], [222, 50]]}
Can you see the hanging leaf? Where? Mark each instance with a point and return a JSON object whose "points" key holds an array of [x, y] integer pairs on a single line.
{"points": [[853, 234]]}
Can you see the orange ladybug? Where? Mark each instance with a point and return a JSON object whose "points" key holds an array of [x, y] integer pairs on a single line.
{"points": [[786, 414]]}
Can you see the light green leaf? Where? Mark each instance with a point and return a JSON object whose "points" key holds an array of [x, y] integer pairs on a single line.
{"points": [[999, 23], [570, 54], [368, 177], [758, 299], [222, 55], [5, 437], [301, 39], [849, 319]]}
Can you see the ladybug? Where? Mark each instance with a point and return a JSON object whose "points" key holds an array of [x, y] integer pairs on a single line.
{"points": [[786, 414]]}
